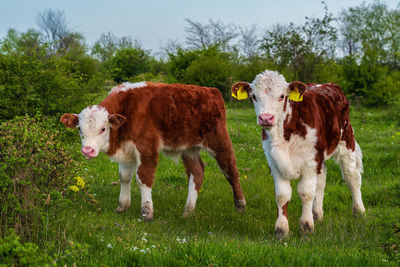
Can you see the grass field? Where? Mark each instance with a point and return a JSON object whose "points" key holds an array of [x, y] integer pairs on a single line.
{"points": [[216, 235]]}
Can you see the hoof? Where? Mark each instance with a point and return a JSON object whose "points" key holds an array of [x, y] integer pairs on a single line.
{"points": [[189, 210], [122, 208], [240, 205], [306, 228], [318, 215], [281, 233], [358, 211], [146, 217], [146, 212]]}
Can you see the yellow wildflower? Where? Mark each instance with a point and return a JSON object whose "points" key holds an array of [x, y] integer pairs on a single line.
{"points": [[74, 188], [80, 182], [245, 176]]}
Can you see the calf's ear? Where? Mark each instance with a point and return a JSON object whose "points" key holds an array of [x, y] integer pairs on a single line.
{"points": [[296, 91], [241, 90], [116, 120], [70, 120]]}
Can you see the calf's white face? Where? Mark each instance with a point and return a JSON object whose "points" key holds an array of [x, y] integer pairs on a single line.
{"points": [[268, 91], [94, 125], [94, 129]]}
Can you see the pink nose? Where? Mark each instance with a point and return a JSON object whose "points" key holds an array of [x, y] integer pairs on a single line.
{"points": [[265, 119], [87, 151]]}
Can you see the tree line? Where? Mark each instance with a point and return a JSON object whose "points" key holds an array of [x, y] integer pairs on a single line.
{"points": [[50, 68]]}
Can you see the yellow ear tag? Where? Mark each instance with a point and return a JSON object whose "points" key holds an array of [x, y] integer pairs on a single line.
{"points": [[295, 95], [241, 94]]}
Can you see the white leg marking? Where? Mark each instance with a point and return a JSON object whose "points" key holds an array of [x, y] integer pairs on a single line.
{"points": [[125, 175], [283, 192], [318, 211], [351, 165], [192, 197], [306, 189], [147, 203]]}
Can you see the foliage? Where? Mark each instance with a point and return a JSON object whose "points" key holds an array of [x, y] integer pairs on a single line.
{"points": [[209, 67], [34, 170], [15, 253], [27, 43], [105, 47], [128, 63], [370, 39], [301, 52], [37, 82], [179, 61]]}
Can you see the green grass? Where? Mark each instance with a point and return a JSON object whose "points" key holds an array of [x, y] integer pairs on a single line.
{"points": [[216, 235]]}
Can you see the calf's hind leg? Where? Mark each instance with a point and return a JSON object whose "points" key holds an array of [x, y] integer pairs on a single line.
{"points": [[221, 147], [318, 212], [351, 165], [195, 171]]}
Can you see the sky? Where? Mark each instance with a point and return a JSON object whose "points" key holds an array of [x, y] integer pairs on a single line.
{"points": [[155, 22]]}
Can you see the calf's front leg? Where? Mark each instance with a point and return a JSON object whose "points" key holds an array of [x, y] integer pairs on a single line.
{"points": [[125, 175], [306, 189], [283, 193]]}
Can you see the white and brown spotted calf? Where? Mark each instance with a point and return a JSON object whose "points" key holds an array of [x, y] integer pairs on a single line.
{"points": [[137, 121], [302, 126]]}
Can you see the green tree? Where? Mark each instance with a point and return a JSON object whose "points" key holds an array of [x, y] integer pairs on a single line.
{"points": [[105, 47], [208, 67], [370, 36], [128, 63], [301, 52], [178, 62], [27, 42]]}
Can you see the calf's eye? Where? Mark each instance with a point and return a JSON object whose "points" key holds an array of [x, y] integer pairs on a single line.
{"points": [[254, 98], [281, 97], [103, 130]]}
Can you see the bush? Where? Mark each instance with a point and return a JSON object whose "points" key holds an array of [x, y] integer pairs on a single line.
{"points": [[211, 71], [374, 84], [34, 169], [15, 253], [208, 67], [46, 83], [129, 62]]}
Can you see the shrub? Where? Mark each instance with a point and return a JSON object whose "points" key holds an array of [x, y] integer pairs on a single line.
{"points": [[210, 71], [15, 253], [46, 83], [129, 62], [34, 168], [208, 67]]}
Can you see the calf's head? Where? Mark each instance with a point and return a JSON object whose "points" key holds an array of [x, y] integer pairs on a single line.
{"points": [[95, 125], [270, 93]]}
